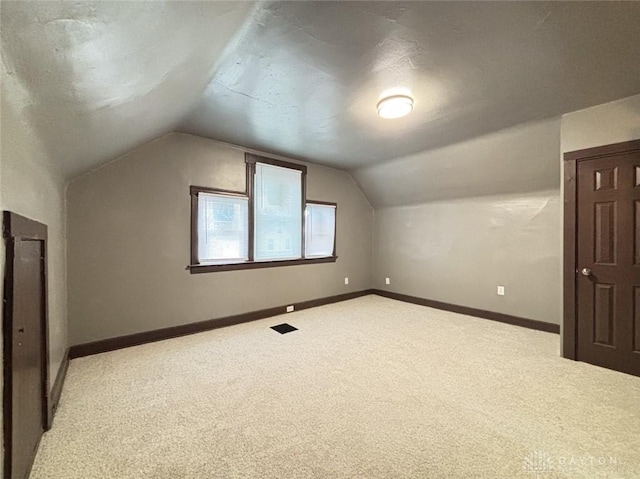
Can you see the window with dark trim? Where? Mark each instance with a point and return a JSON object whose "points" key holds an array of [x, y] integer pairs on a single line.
{"points": [[269, 224]]}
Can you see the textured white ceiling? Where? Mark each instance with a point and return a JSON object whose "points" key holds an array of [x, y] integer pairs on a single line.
{"points": [[302, 79], [515, 160], [96, 79], [305, 77]]}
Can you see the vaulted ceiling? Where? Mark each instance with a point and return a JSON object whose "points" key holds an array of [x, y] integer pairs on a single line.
{"points": [[303, 78], [96, 79]]}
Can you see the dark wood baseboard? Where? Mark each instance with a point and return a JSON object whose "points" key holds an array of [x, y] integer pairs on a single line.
{"points": [[111, 344], [56, 391], [480, 313]]}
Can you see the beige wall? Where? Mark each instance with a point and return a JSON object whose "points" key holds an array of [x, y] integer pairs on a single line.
{"points": [[457, 247], [129, 243], [459, 251], [605, 124]]}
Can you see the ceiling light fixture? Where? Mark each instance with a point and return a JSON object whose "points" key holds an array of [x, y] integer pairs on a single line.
{"points": [[395, 106]]}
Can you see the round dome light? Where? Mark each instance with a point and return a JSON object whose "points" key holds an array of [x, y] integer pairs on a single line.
{"points": [[395, 106]]}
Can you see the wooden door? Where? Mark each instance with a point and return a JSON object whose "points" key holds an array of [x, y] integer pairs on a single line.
{"points": [[25, 408], [608, 261]]}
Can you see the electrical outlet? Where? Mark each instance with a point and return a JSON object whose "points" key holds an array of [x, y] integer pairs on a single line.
{"points": [[290, 309], [500, 290], [387, 281], [346, 280]]}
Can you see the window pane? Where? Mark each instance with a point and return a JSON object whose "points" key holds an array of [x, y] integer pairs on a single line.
{"points": [[320, 230], [278, 213], [222, 228]]}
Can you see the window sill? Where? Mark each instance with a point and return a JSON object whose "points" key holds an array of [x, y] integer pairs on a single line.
{"points": [[210, 268]]}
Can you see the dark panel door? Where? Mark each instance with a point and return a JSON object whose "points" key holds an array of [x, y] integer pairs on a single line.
{"points": [[27, 360], [608, 259]]}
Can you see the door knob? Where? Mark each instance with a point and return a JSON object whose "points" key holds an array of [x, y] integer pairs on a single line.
{"points": [[586, 272]]}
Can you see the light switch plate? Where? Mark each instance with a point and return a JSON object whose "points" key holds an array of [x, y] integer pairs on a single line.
{"points": [[500, 290], [387, 281]]}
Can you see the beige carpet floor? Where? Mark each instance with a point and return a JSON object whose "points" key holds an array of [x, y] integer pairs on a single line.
{"points": [[367, 388]]}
